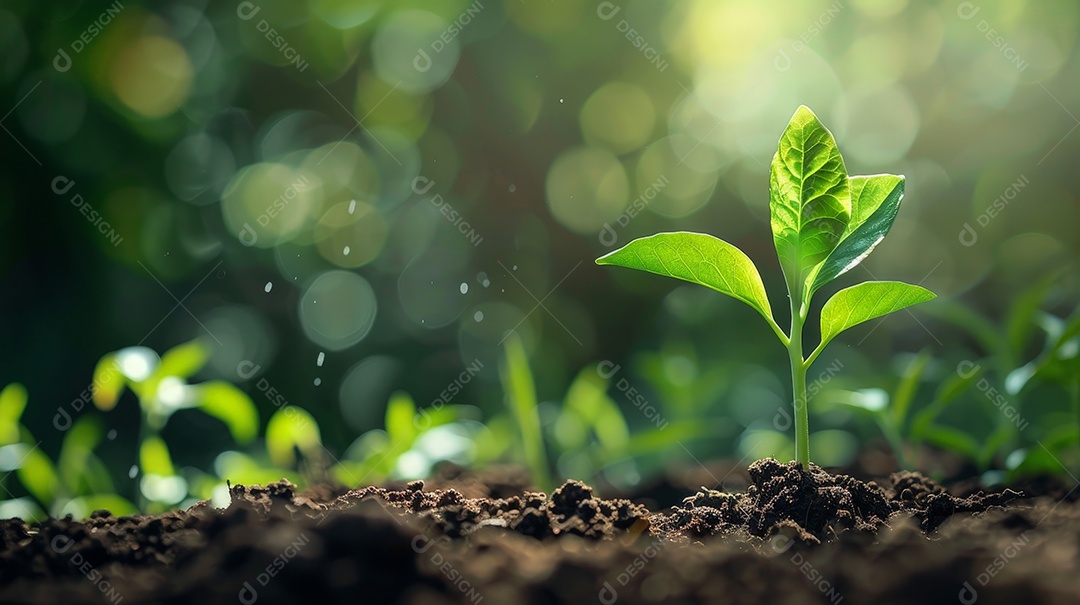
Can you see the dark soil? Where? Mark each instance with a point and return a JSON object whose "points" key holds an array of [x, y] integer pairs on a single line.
{"points": [[792, 536]]}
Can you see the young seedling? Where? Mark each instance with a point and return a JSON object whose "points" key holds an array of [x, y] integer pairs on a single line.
{"points": [[824, 223]]}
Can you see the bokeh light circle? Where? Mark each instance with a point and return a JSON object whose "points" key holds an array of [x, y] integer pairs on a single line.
{"points": [[337, 310], [152, 76], [587, 187], [618, 116], [410, 48]]}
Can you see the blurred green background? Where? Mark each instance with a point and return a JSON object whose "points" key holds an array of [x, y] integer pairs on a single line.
{"points": [[346, 198]]}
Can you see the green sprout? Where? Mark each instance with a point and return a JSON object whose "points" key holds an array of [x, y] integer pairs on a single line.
{"points": [[824, 223]]}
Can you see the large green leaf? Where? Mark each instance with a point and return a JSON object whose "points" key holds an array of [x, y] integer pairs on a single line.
{"points": [[875, 200], [699, 259], [227, 403], [852, 306], [809, 196]]}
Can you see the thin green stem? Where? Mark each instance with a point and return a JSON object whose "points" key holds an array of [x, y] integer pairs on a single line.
{"points": [[798, 381], [776, 328]]}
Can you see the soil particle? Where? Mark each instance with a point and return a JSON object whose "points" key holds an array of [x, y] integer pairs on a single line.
{"points": [[791, 536], [815, 505]]}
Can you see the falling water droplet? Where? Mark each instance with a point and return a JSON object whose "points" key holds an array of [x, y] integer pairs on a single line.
{"points": [[478, 316], [112, 435], [318, 381], [322, 356], [561, 100], [133, 471], [483, 279], [515, 268], [513, 188], [346, 251], [269, 286], [352, 206], [464, 288]]}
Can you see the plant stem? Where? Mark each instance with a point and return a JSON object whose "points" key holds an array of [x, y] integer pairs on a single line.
{"points": [[798, 382]]}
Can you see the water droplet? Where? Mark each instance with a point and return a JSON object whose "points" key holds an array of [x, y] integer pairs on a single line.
{"points": [[111, 435], [322, 356], [478, 316], [513, 187], [346, 250], [352, 206], [464, 288], [269, 286], [133, 471], [483, 279], [515, 268], [318, 381], [560, 100]]}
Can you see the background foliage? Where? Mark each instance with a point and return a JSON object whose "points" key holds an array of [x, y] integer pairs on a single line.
{"points": [[345, 201]]}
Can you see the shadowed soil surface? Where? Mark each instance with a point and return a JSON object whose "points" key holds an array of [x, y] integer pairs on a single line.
{"points": [[791, 536]]}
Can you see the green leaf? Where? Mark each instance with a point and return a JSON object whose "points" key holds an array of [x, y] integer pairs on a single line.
{"points": [[953, 440], [154, 458], [12, 402], [904, 394], [517, 380], [227, 403], [852, 306], [292, 427], [400, 417], [809, 196], [875, 200], [76, 450], [38, 476], [699, 259], [108, 382], [184, 360]]}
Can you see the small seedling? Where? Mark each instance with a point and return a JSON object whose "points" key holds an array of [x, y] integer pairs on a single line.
{"points": [[824, 223]]}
